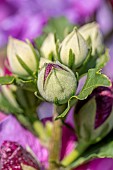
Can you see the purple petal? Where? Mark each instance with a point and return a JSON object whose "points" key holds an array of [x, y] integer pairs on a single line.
{"points": [[12, 155], [104, 101], [11, 130], [2, 116], [68, 140], [97, 164], [49, 68]]}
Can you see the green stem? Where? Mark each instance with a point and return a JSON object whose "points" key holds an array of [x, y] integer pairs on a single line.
{"points": [[81, 147], [55, 142]]}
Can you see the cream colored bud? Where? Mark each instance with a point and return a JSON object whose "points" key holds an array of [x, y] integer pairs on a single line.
{"points": [[92, 31], [56, 82], [20, 48], [48, 46], [75, 42]]}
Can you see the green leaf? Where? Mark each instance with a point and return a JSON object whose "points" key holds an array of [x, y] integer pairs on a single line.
{"points": [[72, 101], [94, 79], [6, 80], [27, 167], [60, 26], [24, 65], [29, 85], [39, 41]]}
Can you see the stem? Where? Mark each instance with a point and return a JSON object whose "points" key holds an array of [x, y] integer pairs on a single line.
{"points": [[81, 147], [55, 142]]}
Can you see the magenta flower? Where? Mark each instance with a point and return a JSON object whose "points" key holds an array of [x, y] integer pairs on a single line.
{"points": [[11, 130], [13, 156], [2, 116], [97, 164]]}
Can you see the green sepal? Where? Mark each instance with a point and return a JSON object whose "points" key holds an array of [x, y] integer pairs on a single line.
{"points": [[4, 80], [24, 65], [51, 57], [71, 58], [38, 96]]}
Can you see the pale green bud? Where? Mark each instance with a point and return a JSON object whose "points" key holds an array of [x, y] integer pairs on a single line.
{"points": [[49, 46], [91, 32], [20, 48], [56, 83], [73, 43]]}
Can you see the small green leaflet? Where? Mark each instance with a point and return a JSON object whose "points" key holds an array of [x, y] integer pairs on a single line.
{"points": [[6, 80], [29, 85], [94, 79], [24, 65]]}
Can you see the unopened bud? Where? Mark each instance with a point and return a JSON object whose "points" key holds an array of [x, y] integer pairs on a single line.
{"points": [[21, 49], [93, 36], [56, 83], [74, 47]]}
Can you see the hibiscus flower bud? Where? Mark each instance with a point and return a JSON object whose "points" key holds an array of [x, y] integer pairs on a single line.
{"points": [[17, 48], [13, 156], [56, 83], [93, 118], [49, 46], [74, 49], [93, 36]]}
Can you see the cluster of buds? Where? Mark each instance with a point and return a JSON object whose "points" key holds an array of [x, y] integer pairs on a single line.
{"points": [[52, 71], [56, 82]]}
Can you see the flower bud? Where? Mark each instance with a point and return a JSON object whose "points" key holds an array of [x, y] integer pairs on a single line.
{"points": [[49, 46], [75, 42], [92, 34], [56, 83], [93, 118], [12, 155], [43, 61], [23, 50]]}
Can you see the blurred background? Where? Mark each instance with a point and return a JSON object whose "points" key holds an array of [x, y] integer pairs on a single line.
{"points": [[28, 18]]}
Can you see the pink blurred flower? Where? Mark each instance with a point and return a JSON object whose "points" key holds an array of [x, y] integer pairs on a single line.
{"points": [[97, 164], [2, 116], [26, 19], [11, 130]]}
